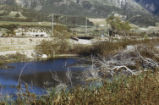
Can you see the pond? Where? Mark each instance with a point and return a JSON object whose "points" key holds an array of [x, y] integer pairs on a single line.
{"points": [[40, 75]]}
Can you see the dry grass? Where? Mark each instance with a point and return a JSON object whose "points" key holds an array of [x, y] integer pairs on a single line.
{"points": [[8, 23], [52, 48], [59, 45], [107, 48], [149, 52], [134, 90], [122, 90], [13, 58]]}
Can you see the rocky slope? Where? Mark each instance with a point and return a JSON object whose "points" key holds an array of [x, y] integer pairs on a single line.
{"points": [[91, 8], [151, 5], [84, 4]]}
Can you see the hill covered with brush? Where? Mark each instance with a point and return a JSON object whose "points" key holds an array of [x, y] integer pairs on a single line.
{"points": [[91, 8]]}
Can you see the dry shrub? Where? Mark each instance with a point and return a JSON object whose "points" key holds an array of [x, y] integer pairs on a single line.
{"points": [[18, 57], [62, 32], [51, 48], [59, 45], [107, 48], [135, 90], [149, 51], [83, 50]]}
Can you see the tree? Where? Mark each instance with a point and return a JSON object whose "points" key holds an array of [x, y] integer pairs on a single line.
{"points": [[118, 26], [17, 15]]}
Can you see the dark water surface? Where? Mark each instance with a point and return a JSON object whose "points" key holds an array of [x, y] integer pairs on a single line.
{"points": [[39, 75]]}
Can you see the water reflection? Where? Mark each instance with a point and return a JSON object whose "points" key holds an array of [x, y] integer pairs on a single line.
{"points": [[39, 75]]}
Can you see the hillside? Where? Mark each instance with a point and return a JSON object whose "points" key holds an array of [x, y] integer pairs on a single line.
{"points": [[90, 8], [151, 5], [15, 13]]}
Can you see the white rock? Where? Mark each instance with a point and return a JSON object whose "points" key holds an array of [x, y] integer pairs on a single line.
{"points": [[44, 56], [130, 48]]}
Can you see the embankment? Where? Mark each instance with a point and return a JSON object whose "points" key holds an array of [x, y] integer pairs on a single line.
{"points": [[19, 45]]}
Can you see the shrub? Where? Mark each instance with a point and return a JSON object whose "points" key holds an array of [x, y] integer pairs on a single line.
{"points": [[61, 32], [106, 48], [119, 26], [17, 15], [52, 47], [135, 90]]}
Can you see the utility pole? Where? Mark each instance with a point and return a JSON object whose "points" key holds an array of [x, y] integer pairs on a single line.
{"points": [[52, 24], [65, 20], [86, 26]]}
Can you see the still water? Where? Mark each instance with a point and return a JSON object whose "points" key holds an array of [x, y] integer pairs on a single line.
{"points": [[40, 75]]}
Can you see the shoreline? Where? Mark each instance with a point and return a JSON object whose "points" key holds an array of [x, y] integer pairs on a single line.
{"points": [[6, 59]]}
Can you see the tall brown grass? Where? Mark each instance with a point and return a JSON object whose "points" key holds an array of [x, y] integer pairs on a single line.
{"points": [[135, 90], [106, 48], [51, 48]]}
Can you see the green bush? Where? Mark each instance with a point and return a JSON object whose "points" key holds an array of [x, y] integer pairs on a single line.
{"points": [[118, 25], [17, 15]]}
